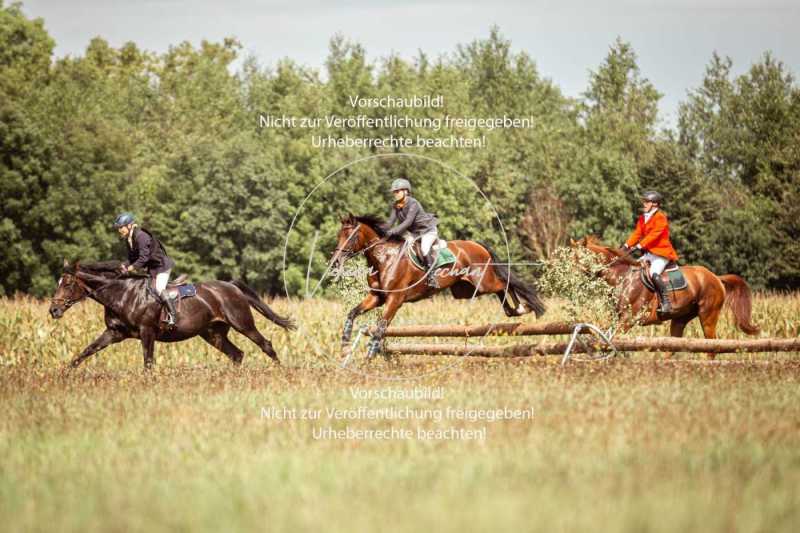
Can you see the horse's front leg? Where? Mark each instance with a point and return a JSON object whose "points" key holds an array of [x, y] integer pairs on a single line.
{"points": [[148, 338], [372, 301], [109, 336], [393, 302]]}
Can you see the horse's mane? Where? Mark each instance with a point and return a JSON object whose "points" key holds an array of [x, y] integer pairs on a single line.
{"points": [[99, 268], [105, 269], [377, 224]]}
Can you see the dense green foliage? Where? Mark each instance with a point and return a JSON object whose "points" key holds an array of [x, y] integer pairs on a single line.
{"points": [[175, 138]]}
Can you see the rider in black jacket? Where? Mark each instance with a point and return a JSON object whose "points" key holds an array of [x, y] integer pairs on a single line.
{"points": [[145, 252]]}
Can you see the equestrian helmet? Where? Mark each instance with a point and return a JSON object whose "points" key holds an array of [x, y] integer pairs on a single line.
{"points": [[123, 220], [652, 196], [401, 183]]}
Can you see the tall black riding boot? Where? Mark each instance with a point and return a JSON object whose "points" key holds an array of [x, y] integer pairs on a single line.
{"points": [[430, 259], [172, 312], [664, 306]]}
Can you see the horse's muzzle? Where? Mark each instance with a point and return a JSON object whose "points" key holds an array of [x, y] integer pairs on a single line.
{"points": [[56, 311]]}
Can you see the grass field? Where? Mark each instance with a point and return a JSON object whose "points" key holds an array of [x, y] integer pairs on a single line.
{"points": [[637, 444]]}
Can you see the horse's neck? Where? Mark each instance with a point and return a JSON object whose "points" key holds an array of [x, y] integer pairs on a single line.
{"points": [[379, 257], [106, 291], [617, 273], [95, 283], [371, 250]]}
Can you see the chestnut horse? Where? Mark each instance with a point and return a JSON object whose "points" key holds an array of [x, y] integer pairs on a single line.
{"points": [[394, 279], [131, 311], [703, 297]]}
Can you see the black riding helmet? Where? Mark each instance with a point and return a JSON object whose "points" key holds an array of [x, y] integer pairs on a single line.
{"points": [[652, 196]]}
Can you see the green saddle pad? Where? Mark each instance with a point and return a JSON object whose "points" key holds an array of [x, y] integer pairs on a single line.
{"points": [[675, 280], [443, 257]]}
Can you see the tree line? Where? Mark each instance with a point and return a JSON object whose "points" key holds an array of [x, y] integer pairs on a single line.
{"points": [[175, 138]]}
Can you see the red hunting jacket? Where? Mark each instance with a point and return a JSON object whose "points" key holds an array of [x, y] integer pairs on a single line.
{"points": [[653, 236]]}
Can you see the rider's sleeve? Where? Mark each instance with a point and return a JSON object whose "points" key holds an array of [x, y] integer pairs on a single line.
{"points": [[656, 231], [636, 235], [145, 245], [413, 210]]}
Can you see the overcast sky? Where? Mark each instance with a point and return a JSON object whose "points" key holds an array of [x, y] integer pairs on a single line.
{"points": [[674, 39]]}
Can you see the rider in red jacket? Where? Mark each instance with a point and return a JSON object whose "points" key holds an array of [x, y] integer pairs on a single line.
{"points": [[652, 237]]}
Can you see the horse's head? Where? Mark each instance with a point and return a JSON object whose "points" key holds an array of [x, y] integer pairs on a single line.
{"points": [[70, 290], [590, 243], [355, 234], [608, 258]]}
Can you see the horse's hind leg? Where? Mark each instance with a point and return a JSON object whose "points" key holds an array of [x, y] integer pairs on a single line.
{"points": [[709, 315], [242, 321], [217, 336], [507, 298]]}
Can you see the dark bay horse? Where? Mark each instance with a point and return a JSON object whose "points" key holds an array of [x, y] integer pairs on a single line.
{"points": [[703, 298], [131, 311], [394, 279]]}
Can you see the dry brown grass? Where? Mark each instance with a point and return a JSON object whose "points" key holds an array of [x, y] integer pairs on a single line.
{"points": [[630, 445]]}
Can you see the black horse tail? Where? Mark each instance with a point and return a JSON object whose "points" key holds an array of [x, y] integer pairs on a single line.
{"points": [[255, 301], [523, 290]]}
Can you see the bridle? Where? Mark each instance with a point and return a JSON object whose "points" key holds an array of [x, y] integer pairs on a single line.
{"points": [[348, 252], [69, 302]]}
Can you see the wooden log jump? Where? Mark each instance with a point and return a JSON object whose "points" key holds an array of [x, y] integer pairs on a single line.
{"points": [[633, 344], [510, 328]]}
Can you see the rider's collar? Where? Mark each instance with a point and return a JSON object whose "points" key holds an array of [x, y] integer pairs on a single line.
{"points": [[650, 213], [130, 234]]}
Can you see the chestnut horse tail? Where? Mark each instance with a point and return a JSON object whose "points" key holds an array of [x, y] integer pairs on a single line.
{"points": [[521, 289], [255, 301], [740, 301]]}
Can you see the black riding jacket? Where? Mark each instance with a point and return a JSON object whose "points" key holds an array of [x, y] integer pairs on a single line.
{"points": [[147, 252]]}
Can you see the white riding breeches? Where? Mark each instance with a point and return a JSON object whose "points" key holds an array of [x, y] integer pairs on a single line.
{"points": [[161, 281], [427, 240], [657, 262]]}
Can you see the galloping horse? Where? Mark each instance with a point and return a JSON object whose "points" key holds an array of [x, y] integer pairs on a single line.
{"points": [[703, 297], [132, 312], [394, 279]]}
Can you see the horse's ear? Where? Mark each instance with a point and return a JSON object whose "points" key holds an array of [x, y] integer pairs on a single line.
{"points": [[572, 242]]}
